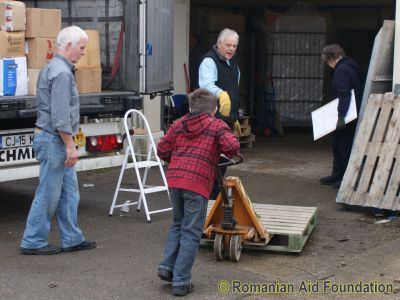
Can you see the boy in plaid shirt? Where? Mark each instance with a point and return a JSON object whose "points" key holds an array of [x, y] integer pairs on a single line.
{"points": [[192, 147]]}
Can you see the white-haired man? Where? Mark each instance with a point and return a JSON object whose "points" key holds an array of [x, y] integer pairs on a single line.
{"points": [[57, 103], [219, 74]]}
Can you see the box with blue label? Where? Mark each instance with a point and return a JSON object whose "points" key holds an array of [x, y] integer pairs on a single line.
{"points": [[13, 76]]}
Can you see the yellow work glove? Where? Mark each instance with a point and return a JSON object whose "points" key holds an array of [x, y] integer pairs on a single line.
{"points": [[236, 128], [224, 104]]}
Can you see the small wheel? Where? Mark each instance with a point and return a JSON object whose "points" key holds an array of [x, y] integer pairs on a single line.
{"points": [[235, 247], [219, 246]]}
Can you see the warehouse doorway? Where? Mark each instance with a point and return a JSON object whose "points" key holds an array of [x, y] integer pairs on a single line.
{"points": [[283, 78]]}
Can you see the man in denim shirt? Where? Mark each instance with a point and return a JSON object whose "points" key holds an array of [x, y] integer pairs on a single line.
{"points": [[57, 122]]}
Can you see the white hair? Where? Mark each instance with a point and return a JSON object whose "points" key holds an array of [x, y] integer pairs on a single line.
{"points": [[71, 34], [227, 33]]}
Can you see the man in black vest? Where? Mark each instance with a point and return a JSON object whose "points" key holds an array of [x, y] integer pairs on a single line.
{"points": [[219, 73]]}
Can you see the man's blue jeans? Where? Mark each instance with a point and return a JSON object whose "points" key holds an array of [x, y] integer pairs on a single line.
{"points": [[57, 193], [189, 212]]}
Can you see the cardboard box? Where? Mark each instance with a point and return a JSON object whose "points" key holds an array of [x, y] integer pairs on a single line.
{"points": [[12, 44], [39, 51], [88, 80], [12, 15], [13, 76], [33, 75], [42, 22], [91, 59]]}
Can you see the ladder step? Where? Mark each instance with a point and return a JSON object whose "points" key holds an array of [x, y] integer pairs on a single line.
{"points": [[146, 190], [155, 189], [142, 164], [149, 160]]}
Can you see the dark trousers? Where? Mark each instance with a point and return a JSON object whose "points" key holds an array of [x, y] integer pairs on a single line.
{"points": [[342, 144], [216, 188]]}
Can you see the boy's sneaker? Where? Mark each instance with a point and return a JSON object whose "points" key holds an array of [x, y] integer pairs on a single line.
{"points": [[182, 290], [165, 275]]}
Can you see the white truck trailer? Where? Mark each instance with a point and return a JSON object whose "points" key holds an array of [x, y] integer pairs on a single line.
{"points": [[145, 67]]}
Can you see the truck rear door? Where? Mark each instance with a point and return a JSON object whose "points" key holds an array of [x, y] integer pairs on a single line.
{"points": [[148, 46]]}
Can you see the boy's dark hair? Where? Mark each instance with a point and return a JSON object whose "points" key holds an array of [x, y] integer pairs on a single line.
{"points": [[332, 52], [202, 100]]}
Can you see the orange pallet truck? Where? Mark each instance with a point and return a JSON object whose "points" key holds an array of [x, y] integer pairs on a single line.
{"points": [[232, 220]]}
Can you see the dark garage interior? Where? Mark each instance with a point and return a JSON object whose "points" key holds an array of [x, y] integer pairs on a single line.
{"points": [[283, 78]]}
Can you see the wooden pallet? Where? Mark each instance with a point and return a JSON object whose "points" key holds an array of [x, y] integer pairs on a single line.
{"points": [[246, 139], [245, 120], [372, 178], [379, 77], [289, 226]]}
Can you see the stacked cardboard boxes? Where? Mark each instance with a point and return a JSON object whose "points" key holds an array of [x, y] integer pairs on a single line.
{"points": [[88, 69], [42, 28], [13, 73], [28, 40]]}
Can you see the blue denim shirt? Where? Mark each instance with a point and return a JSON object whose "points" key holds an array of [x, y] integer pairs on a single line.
{"points": [[208, 76], [57, 99]]}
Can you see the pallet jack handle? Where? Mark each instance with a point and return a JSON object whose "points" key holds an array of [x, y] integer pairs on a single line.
{"points": [[237, 159]]}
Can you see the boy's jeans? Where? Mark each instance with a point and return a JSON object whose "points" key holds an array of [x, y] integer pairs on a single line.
{"points": [[58, 192], [189, 212]]}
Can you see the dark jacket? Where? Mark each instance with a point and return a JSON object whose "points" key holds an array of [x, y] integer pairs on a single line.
{"points": [[347, 77], [228, 78], [192, 147]]}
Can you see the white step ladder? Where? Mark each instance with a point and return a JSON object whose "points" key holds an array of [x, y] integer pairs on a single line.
{"points": [[152, 160]]}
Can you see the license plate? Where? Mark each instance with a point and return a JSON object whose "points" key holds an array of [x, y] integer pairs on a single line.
{"points": [[16, 148], [16, 141]]}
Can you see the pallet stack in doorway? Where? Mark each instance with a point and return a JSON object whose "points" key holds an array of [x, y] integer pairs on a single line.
{"points": [[372, 178], [246, 139]]}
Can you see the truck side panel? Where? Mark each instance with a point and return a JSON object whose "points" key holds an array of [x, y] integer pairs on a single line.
{"points": [[156, 48]]}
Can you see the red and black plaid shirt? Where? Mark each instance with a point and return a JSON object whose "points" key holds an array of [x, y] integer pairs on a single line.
{"points": [[192, 146]]}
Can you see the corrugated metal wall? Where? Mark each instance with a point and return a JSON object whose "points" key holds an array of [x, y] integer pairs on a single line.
{"points": [[159, 46]]}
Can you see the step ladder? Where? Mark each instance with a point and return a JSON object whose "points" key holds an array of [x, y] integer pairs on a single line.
{"points": [[152, 160]]}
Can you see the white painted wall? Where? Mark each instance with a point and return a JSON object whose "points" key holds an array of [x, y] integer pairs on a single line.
{"points": [[396, 58], [181, 43], [151, 110]]}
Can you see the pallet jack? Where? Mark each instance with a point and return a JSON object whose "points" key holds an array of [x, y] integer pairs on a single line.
{"points": [[232, 219]]}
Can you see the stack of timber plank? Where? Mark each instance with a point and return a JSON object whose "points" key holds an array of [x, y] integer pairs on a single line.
{"points": [[246, 139], [372, 178]]}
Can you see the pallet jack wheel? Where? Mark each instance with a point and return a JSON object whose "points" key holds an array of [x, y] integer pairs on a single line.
{"points": [[235, 247], [219, 246]]}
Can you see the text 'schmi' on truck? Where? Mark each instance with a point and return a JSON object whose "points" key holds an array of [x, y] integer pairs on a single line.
{"points": [[145, 67]]}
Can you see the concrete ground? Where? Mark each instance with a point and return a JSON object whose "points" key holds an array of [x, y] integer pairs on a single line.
{"points": [[346, 247]]}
